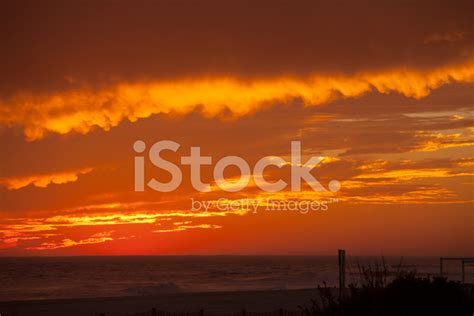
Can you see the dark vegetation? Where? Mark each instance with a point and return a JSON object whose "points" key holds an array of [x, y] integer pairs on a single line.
{"points": [[403, 294]]}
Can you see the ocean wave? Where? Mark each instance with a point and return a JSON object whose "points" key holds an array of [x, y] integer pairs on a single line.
{"points": [[156, 288]]}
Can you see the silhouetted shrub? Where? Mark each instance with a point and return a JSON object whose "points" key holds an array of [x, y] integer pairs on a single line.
{"points": [[406, 295]]}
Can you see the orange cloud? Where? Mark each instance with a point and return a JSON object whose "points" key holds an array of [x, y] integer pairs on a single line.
{"points": [[421, 195], [65, 243], [83, 109], [43, 180], [15, 230], [439, 141], [12, 241], [180, 228], [411, 174], [132, 218]]}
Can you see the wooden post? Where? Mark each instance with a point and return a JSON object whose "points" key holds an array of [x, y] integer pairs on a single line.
{"points": [[342, 271], [462, 271], [441, 267]]}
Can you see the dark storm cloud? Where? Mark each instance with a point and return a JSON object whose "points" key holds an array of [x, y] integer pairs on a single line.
{"points": [[51, 45]]}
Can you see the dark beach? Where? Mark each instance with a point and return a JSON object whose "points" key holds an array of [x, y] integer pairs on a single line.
{"points": [[216, 303]]}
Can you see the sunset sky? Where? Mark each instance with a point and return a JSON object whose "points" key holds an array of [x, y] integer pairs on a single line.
{"points": [[383, 91]]}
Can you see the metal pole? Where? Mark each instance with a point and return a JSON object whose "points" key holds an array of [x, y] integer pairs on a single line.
{"points": [[441, 267], [342, 271]]}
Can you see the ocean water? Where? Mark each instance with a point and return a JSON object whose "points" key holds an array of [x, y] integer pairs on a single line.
{"points": [[79, 277]]}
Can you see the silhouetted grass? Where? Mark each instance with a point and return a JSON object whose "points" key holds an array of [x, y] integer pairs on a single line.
{"points": [[383, 293]]}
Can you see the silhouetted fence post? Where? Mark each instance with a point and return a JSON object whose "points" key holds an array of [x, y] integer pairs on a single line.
{"points": [[153, 312], [342, 271], [441, 267]]}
